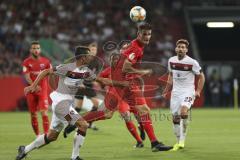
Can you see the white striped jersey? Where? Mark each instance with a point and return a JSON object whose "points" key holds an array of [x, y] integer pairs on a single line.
{"points": [[183, 72]]}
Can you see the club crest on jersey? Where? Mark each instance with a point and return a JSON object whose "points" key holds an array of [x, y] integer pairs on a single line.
{"points": [[131, 56], [42, 65]]}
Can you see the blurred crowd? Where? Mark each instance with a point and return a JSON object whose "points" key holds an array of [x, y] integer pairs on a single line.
{"points": [[207, 3], [72, 22]]}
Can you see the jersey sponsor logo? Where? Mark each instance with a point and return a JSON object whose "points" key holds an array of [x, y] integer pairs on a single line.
{"points": [[181, 66], [131, 56], [35, 72]]}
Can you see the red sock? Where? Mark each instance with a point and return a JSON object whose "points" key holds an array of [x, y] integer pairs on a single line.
{"points": [[132, 129], [34, 121], [45, 122], [147, 125], [94, 116]]}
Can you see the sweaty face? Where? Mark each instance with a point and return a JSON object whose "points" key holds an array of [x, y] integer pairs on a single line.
{"points": [[181, 50], [35, 50], [144, 36]]}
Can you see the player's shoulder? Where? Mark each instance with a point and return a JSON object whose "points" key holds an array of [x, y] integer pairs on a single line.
{"points": [[191, 60], [172, 59], [27, 60], [44, 59]]}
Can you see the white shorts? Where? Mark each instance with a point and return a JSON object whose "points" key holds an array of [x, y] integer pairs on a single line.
{"points": [[62, 105], [87, 103], [181, 99]]}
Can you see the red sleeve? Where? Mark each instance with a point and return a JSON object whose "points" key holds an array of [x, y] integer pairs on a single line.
{"points": [[49, 65], [25, 68], [132, 55], [105, 73]]}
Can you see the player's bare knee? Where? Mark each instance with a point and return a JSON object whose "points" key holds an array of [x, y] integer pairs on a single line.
{"points": [[126, 116], [49, 139], [44, 113], [143, 109], [33, 114], [184, 112], [82, 125], [51, 136], [108, 114]]}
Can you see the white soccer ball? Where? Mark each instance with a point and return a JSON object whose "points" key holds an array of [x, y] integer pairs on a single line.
{"points": [[137, 14]]}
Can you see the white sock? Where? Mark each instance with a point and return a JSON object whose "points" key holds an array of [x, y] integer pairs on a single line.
{"points": [[183, 129], [38, 142], [77, 143], [176, 128]]}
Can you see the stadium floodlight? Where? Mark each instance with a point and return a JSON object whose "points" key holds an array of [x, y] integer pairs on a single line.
{"points": [[220, 24]]}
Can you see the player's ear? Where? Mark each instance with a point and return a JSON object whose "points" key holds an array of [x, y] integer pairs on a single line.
{"points": [[138, 33]]}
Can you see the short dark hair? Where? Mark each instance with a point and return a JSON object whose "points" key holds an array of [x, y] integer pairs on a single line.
{"points": [[144, 26], [35, 42], [184, 41], [81, 50]]}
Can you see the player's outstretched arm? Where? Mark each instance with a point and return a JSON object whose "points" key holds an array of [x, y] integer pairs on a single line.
{"points": [[127, 68], [200, 84], [109, 82], [33, 86]]}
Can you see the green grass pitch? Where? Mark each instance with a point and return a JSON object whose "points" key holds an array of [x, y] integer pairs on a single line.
{"points": [[213, 134]]}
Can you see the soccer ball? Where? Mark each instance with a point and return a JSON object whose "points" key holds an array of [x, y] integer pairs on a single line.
{"points": [[137, 14]]}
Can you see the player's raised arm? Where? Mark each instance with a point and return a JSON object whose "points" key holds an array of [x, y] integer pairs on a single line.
{"points": [[109, 82]]}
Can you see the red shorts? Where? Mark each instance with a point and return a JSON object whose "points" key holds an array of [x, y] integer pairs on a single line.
{"points": [[131, 96], [37, 101], [137, 95], [111, 100]]}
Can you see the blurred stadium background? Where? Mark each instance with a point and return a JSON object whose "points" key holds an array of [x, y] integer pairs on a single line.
{"points": [[60, 25]]}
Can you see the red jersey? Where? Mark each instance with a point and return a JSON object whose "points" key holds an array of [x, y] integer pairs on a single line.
{"points": [[106, 73], [134, 54], [34, 67]]}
